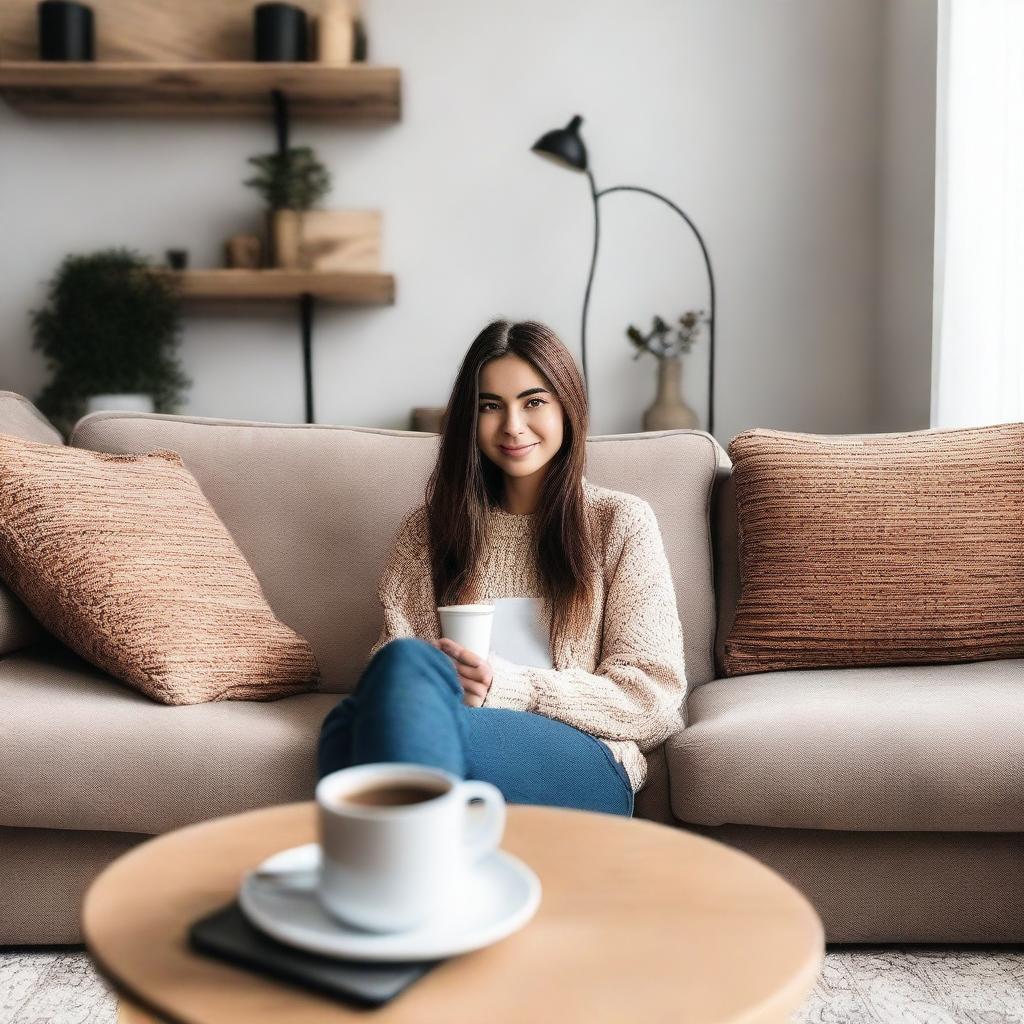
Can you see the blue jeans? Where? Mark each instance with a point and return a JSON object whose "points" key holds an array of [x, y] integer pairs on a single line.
{"points": [[408, 706]]}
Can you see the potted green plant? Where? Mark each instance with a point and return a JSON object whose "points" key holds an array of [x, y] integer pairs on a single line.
{"points": [[109, 332], [669, 411], [289, 183]]}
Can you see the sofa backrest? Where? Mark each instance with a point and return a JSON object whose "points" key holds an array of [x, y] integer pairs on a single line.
{"points": [[315, 509]]}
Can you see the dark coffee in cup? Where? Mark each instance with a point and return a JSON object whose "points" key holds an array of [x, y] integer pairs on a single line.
{"points": [[396, 841], [393, 794]]}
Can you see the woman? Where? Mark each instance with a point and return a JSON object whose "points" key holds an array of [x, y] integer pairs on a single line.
{"points": [[509, 514]]}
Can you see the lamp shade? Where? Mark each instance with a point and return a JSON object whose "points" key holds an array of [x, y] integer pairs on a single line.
{"points": [[564, 145]]}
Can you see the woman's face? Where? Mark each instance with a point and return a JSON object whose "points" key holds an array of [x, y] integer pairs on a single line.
{"points": [[517, 410]]}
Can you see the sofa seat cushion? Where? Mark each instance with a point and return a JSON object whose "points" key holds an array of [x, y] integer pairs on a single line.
{"points": [[78, 750], [915, 748]]}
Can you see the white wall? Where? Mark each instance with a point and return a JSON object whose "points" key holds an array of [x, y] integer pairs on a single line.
{"points": [[902, 365], [761, 118]]}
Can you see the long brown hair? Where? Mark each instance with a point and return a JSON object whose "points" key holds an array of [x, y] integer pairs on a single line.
{"points": [[465, 484]]}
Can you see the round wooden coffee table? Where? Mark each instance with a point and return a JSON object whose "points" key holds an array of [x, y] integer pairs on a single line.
{"points": [[638, 921]]}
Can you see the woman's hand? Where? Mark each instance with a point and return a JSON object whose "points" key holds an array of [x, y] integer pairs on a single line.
{"points": [[475, 673]]}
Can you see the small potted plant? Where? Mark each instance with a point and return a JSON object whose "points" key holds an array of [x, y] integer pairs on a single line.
{"points": [[289, 183], [669, 411], [306, 238], [109, 332]]}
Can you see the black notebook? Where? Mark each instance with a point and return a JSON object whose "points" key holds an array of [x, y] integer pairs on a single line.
{"points": [[227, 935]]}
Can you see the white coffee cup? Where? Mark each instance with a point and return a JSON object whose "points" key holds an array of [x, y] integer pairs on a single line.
{"points": [[393, 867], [469, 625]]}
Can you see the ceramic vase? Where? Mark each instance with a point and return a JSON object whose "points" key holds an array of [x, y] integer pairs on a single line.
{"points": [[669, 411], [285, 238], [243, 252], [280, 32], [335, 33], [65, 31]]}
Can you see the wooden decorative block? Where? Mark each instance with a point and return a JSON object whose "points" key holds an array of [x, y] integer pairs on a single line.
{"points": [[340, 240]]}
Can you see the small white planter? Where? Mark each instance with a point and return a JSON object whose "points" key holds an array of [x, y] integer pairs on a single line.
{"points": [[120, 403]]}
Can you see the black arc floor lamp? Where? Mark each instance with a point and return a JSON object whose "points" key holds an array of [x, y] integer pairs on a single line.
{"points": [[565, 146]]}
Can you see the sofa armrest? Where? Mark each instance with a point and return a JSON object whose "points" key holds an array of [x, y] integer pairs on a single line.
{"points": [[20, 418]]}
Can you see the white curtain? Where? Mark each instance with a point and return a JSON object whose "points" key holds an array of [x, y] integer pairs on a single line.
{"points": [[978, 323]]}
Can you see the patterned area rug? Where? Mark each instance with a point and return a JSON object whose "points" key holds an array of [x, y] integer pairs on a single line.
{"points": [[918, 985], [859, 985]]}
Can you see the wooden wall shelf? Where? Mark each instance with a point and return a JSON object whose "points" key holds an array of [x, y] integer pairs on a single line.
{"points": [[192, 58], [355, 93], [276, 285]]}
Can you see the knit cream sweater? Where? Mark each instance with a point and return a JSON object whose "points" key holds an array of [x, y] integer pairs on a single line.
{"points": [[622, 679]]}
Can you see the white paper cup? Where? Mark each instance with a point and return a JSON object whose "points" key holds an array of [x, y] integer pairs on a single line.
{"points": [[393, 868], [469, 625]]}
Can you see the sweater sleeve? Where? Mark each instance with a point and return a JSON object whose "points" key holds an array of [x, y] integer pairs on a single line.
{"points": [[638, 690], [406, 588]]}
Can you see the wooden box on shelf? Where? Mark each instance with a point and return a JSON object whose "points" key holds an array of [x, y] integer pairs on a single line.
{"points": [[342, 240]]}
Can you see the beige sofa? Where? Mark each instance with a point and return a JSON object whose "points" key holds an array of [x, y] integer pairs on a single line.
{"points": [[894, 798]]}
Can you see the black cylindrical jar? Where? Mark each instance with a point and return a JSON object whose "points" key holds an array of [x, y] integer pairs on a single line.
{"points": [[280, 32], [65, 31]]}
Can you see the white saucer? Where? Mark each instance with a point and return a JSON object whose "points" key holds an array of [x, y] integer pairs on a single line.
{"points": [[499, 895]]}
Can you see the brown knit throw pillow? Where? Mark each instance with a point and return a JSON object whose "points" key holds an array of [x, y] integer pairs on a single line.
{"points": [[878, 550], [122, 558]]}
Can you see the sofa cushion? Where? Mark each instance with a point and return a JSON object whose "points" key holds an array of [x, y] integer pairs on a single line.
{"points": [[929, 748], [878, 549], [122, 558], [315, 509], [80, 751]]}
